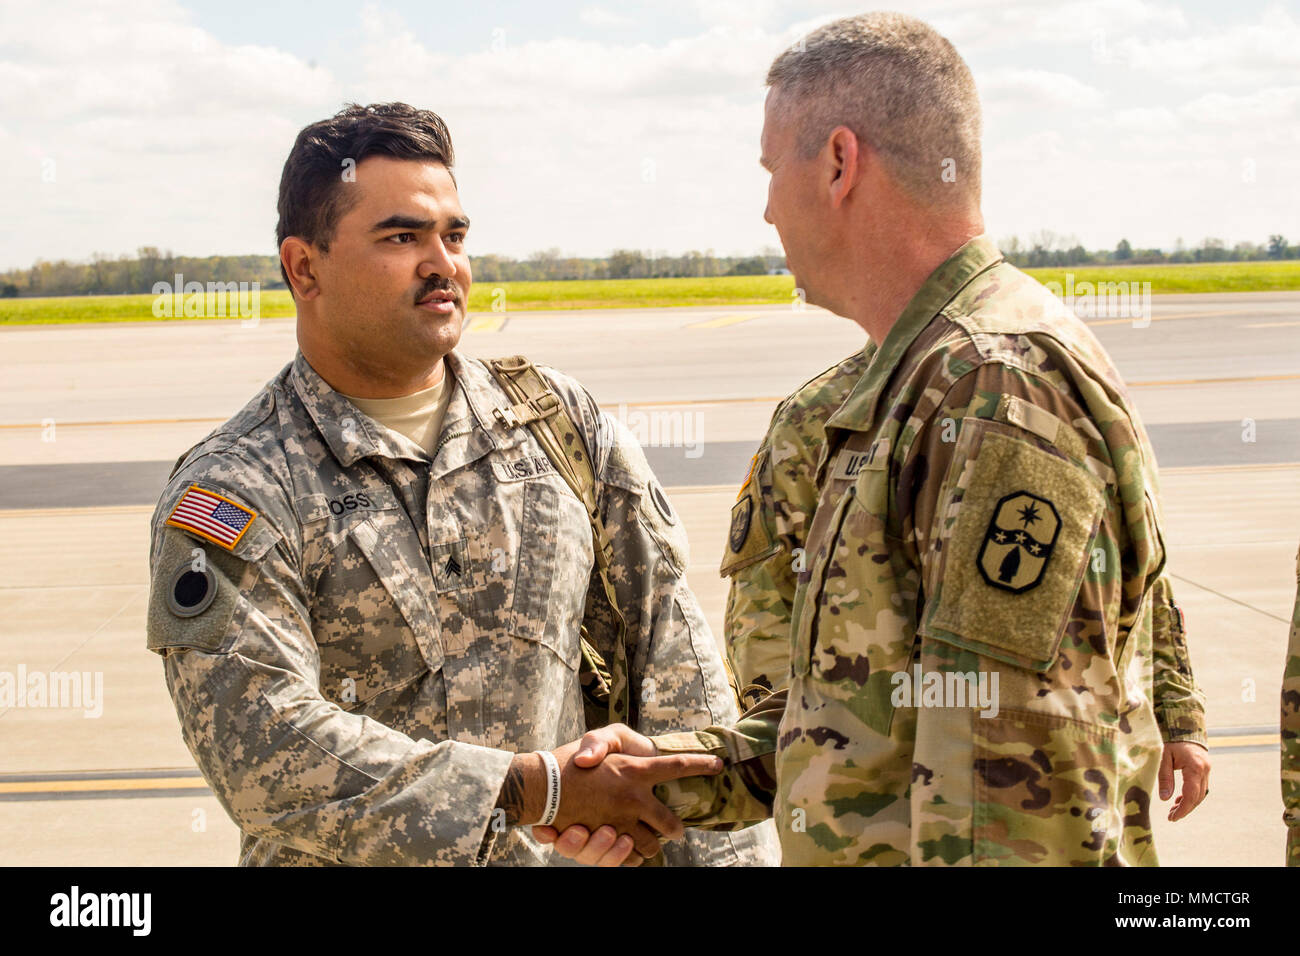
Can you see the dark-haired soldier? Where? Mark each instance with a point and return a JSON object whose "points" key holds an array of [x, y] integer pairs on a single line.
{"points": [[370, 585]]}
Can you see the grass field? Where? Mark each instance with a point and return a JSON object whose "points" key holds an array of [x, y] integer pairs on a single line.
{"points": [[651, 293]]}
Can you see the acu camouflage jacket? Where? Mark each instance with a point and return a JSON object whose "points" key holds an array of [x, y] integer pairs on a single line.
{"points": [[355, 670]]}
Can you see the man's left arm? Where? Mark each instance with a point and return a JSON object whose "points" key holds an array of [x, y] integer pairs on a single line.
{"points": [[677, 679], [1179, 702]]}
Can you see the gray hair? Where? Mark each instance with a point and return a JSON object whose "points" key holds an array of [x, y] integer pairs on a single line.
{"points": [[901, 87]]}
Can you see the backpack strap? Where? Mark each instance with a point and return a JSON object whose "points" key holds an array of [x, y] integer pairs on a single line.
{"points": [[604, 683]]}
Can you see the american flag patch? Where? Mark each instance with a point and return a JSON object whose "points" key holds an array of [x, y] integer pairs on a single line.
{"points": [[211, 516]]}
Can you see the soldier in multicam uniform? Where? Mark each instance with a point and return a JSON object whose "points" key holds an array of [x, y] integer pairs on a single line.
{"points": [[988, 507], [1291, 733], [366, 629]]}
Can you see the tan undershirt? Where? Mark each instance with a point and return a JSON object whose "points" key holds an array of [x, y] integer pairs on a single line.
{"points": [[418, 416]]}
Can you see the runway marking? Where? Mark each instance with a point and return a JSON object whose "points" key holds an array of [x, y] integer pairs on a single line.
{"points": [[1249, 607], [137, 784], [486, 323], [724, 320], [1170, 318], [678, 403], [84, 786], [1240, 743], [125, 421], [109, 620], [1230, 380], [1272, 325]]}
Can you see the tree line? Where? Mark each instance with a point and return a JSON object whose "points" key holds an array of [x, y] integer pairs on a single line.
{"points": [[105, 275], [1047, 249]]}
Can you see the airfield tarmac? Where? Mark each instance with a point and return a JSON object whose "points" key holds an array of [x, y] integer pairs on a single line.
{"points": [[93, 416]]}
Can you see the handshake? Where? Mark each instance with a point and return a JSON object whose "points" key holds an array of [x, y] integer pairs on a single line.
{"points": [[607, 812]]}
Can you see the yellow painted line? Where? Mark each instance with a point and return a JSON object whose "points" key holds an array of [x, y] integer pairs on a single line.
{"points": [[1160, 383], [1254, 740], [702, 489], [81, 786], [1271, 325], [724, 320], [688, 403], [87, 511], [1212, 469], [126, 421], [1170, 318], [486, 323]]}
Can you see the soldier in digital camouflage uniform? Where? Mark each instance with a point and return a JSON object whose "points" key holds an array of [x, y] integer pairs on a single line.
{"points": [[362, 635], [988, 506], [1291, 733]]}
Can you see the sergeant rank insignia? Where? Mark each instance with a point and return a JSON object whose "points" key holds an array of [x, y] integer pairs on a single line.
{"points": [[1019, 542]]}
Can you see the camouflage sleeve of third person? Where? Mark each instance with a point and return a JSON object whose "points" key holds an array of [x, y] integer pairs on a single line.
{"points": [[1291, 734]]}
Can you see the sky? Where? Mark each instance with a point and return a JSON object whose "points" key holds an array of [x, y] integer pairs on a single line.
{"points": [[593, 126]]}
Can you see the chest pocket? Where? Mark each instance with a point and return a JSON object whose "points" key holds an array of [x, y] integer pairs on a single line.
{"points": [[852, 634], [371, 613], [552, 569]]}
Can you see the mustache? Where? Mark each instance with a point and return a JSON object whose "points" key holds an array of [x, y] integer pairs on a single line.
{"points": [[438, 284]]}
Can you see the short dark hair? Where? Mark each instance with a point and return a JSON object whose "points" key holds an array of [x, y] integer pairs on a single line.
{"points": [[313, 195]]}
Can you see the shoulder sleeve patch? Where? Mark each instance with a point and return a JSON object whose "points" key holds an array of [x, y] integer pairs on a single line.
{"points": [[748, 538], [193, 596], [212, 516], [216, 517], [1018, 551]]}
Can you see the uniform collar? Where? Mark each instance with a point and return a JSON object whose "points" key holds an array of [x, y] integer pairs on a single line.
{"points": [[977, 255], [350, 433], [468, 430]]}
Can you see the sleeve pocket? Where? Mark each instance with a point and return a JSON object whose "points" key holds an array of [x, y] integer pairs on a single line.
{"points": [[1025, 519]]}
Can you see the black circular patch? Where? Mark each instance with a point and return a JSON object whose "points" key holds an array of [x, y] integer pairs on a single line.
{"points": [[661, 502], [191, 592], [741, 515]]}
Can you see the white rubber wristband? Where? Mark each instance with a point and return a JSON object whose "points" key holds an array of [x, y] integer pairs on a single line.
{"points": [[552, 809]]}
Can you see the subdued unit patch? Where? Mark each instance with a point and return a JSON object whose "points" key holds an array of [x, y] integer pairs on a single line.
{"points": [[1019, 616], [661, 503], [191, 591], [204, 623], [747, 539]]}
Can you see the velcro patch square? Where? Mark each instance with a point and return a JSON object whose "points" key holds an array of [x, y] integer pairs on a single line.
{"points": [[1018, 552]]}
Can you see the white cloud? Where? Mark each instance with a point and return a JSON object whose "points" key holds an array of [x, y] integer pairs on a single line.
{"points": [[1277, 104], [1236, 55], [160, 133], [594, 16], [1145, 119], [133, 127], [1026, 88]]}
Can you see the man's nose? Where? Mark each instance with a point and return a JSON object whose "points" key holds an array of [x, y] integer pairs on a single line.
{"points": [[437, 262]]}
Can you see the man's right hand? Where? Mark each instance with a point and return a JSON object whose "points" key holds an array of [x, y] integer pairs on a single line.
{"points": [[607, 779], [604, 847]]}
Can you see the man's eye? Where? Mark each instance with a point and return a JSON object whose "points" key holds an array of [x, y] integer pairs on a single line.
{"points": [[401, 238], [456, 237]]}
